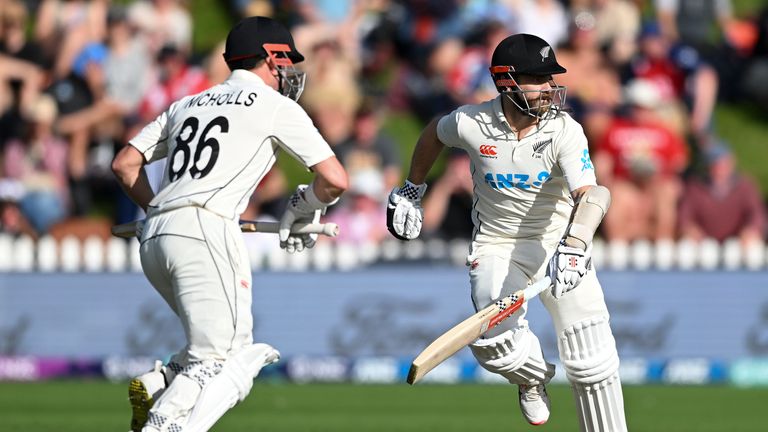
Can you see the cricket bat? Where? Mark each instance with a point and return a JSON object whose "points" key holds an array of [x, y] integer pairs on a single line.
{"points": [[470, 329], [128, 230]]}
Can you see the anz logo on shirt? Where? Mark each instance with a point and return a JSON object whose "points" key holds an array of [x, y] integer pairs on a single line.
{"points": [[520, 181]]}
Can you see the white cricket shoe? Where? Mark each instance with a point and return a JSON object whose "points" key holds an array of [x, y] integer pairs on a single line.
{"points": [[143, 391], [534, 403]]}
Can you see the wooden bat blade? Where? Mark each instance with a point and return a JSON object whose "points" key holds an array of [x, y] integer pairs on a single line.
{"points": [[450, 342], [470, 329]]}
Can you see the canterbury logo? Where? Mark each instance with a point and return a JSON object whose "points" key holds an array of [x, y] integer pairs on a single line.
{"points": [[545, 52], [540, 146], [488, 150]]}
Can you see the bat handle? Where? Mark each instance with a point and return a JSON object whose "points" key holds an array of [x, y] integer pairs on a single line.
{"points": [[536, 288], [328, 229]]}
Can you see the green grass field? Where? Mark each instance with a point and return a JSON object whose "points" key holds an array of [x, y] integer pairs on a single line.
{"points": [[83, 406]]}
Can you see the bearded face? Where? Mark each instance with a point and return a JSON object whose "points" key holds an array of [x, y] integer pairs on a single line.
{"points": [[538, 100]]}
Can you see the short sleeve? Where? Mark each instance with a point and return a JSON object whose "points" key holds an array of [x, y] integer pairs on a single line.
{"points": [[152, 141], [448, 130], [574, 159], [297, 135]]}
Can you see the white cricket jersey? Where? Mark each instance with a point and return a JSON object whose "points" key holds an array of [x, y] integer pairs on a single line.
{"points": [[521, 187], [221, 142]]}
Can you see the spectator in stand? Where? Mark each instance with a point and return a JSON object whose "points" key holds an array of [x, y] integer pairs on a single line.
{"points": [[38, 163], [422, 87], [468, 79], [594, 88], [76, 93], [640, 160], [681, 75], [13, 34], [369, 148], [332, 96], [695, 22], [176, 79], [547, 19], [361, 213], [66, 27], [21, 73], [448, 205], [164, 22], [20, 83], [124, 78], [722, 204], [755, 73], [12, 220], [617, 22]]}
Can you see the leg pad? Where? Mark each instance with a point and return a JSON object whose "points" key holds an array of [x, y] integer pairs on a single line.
{"points": [[515, 355]]}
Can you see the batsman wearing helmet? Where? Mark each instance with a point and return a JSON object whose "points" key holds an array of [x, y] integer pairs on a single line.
{"points": [[536, 208], [220, 143]]}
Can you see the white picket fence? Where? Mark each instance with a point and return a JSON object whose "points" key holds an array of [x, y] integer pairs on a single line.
{"points": [[22, 254]]}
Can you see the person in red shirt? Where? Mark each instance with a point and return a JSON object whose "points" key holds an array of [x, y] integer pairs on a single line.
{"points": [[723, 204], [640, 160], [176, 79], [681, 76]]}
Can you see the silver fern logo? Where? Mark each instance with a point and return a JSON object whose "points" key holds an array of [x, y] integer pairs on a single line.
{"points": [[538, 148], [544, 52]]}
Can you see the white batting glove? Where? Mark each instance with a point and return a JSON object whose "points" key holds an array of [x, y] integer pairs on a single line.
{"points": [[303, 206], [566, 268], [404, 212]]}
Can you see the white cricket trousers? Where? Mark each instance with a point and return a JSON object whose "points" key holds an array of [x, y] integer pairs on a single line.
{"points": [[198, 263]]}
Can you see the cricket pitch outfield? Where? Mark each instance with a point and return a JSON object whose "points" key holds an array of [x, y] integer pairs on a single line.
{"points": [[96, 405]]}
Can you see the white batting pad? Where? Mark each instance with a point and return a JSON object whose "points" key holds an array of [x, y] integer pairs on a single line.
{"points": [[516, 355], [600, 406], [588, 353], [231, 386], [170, 411]]}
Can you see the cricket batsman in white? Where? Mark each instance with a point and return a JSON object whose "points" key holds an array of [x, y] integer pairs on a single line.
{"points": [[536, 208], [220, 143]]}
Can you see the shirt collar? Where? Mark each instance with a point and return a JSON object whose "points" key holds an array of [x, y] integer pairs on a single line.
{"points": [[499, 111], [244, 75]]}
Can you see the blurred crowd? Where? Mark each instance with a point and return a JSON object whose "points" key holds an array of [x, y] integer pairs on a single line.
{"points": [[78, 78]]}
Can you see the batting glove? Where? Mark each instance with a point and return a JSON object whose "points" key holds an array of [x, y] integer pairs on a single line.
{"points": [[567, 266], [404, 212], [303, 206]]}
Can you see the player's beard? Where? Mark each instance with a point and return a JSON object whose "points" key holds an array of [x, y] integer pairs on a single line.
{"points": [[537, 107], [541, 105]]}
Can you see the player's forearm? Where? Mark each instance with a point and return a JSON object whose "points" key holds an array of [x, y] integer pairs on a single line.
{"points": [[137, 187], [331, 180], [425, 154], [128, 167]]}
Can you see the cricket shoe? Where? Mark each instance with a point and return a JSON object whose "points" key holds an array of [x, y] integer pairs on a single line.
{"points": [[534, 403], [143, 391]]}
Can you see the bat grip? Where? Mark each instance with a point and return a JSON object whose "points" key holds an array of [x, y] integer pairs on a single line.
{"points": [[328, 229], [536, 288]]}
